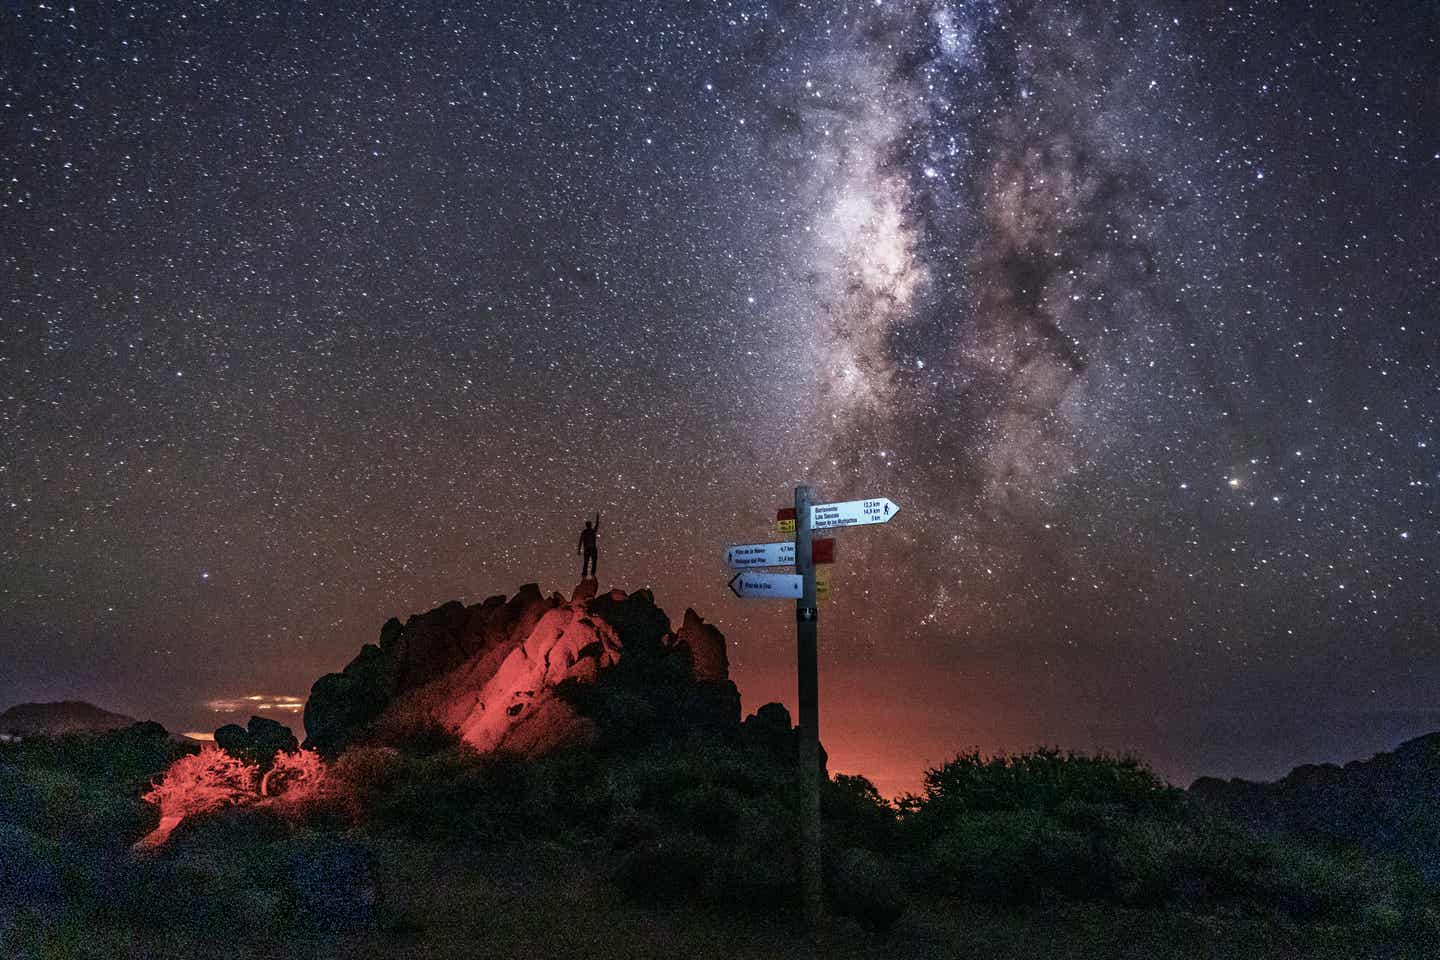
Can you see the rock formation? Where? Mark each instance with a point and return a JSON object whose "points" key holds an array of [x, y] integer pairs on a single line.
{"points": [[528, 674]]}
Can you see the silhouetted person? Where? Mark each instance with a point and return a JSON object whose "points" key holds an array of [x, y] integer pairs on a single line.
{"points": [[588, 548]]}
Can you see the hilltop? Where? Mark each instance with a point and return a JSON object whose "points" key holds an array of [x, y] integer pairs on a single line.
{"points": [[1388, 805], [59, 717]]}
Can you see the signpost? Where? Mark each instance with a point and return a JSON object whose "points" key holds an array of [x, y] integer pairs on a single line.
{"points": [[777, 586], [807, 634], [805, 552]]}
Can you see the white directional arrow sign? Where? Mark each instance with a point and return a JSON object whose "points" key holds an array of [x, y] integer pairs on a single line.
{"points": [[761, 555], [774, 586], [851, 513]]}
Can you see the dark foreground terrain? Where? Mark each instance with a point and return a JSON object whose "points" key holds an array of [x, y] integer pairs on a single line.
{"points": [[542, 777], [668, 849]]}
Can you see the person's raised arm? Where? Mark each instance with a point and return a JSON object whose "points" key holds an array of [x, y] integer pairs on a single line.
{"points": [[597, 521]]}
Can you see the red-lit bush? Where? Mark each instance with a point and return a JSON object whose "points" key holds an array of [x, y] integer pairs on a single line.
{"points": [[198, 783], [295, 777]]}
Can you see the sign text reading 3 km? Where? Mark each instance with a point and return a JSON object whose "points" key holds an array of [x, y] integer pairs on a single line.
{"points": [[851, 513]]}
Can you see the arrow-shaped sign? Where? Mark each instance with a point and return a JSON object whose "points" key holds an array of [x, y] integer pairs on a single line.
{"points": [[775, 586], [851, 513], [747, 555]]}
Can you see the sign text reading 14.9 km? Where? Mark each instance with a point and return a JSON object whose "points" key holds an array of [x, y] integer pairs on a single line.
{"points": [[852, 513]]}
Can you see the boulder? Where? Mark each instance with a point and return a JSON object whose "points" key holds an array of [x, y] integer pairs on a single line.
{"points": [[258, 742], [271, 737], [428, 645], [340, 706], [705, 646], [643, 625], [232, 738], [769, 729]]}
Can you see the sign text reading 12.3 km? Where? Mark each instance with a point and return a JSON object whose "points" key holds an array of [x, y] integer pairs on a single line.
{"points": [[851, 513]]}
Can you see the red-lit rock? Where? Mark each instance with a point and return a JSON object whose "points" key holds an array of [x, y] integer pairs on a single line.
{"points": [[494, 674]]}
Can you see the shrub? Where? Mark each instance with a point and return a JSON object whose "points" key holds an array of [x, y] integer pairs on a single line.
{"points": [[296, 777], [1006, 856], [1142, 860], [1043, 780], [424, 737], [863, 886], [855, 815], [202, 782], [30, 867], [668, 868], [331, 883], [57, 802]]}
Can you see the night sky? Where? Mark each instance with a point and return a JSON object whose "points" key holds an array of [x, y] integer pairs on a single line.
{"points": [[315, 314]]}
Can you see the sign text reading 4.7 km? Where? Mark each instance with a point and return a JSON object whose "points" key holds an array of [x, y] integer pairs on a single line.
{"points": [[782, 554]]}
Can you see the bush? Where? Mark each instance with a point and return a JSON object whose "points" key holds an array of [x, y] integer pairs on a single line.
{"points": [[1015, 828], [1044, 780], [30, 867], [424, 737], [1310, 883], [721, 818], [1009, 827], [296, 777], [125, 760], [332, 883], [1143, 858], [1009, 857], [60, 803], [196, 784], [667, 868], [864, 887], [855, 815]]}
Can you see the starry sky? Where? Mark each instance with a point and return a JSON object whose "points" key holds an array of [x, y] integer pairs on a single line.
{"points": [[315, 314]]}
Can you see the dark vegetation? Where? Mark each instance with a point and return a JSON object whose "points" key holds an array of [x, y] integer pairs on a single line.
{"points": [[1388, 805], [670, 845], [645, 820]]}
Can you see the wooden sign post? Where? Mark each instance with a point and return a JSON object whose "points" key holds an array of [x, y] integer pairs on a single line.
{"points": [[805, 552], [807, 632]]}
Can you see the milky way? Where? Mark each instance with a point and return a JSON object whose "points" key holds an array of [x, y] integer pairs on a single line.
{"points": [[311, 317]]}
